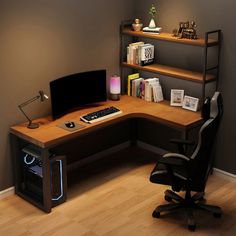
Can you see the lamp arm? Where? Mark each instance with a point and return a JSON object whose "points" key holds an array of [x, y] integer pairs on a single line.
{"points": [[29, 101], [20, 107]]}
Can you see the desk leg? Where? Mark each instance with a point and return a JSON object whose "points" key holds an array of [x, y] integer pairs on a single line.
{"points": [[47, 196], [15, 150]]}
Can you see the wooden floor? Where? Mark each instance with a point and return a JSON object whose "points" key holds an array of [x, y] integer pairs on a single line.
{"points": [[114, 197]]}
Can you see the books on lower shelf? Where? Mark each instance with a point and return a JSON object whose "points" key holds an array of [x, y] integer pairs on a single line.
{"points": [[147, 89], [140, 53]]}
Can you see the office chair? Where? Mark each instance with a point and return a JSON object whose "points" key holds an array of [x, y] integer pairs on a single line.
{"points": [[189, 174]]}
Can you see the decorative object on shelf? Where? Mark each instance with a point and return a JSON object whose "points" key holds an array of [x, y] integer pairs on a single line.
{"points": [[152, 12], [152, 28], [156, 30], [42, 97], [186, 30], [176, 97], [190, 103], [115, 88], [137, 25]]}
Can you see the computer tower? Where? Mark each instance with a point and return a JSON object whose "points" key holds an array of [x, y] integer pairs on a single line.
{"points": [[58, 180], [32, 182]]}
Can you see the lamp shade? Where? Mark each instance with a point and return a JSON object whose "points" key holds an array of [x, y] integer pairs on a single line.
{"points": [[115, 87]]}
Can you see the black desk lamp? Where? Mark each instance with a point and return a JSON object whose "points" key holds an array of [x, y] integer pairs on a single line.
{"points": [[42, 98]]}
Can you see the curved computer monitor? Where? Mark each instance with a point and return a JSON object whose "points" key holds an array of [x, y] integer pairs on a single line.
{"points": [[77, 90]]}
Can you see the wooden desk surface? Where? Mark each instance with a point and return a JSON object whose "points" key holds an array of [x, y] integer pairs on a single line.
{"points": [[49, 134]]}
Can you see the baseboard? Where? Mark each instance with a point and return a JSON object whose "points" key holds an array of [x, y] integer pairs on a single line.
{"points": [[7, 192], [224, 174]]}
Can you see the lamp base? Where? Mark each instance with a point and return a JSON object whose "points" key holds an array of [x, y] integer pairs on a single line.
{"points": [[115, 97], [33, 126]]}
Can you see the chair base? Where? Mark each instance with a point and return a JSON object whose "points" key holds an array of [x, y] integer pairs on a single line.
{"points": [[189, 203]]}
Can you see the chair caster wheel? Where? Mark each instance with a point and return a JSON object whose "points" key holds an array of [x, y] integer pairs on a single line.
{"points": [[192, 227], [168, 199], [217, 215], [156, 214]]}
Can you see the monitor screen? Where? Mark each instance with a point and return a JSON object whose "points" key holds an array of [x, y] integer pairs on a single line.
{"points": [[74, 91]]}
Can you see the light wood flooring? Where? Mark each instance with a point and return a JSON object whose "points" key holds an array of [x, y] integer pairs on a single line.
{"points": [[114, 197]]}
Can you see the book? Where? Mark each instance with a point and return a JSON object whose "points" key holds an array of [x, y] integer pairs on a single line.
{"points": [[157, 92], [142, 89], [146, 54], [133, 52], [148, 92], [130, 78], [156, 30], [135, 87]]}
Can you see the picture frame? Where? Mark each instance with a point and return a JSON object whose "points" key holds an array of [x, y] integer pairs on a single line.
{"points": [[176, 97], [190, 103]]}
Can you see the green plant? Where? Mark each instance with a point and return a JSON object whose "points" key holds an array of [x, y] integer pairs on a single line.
{"points": [[152, 11]]}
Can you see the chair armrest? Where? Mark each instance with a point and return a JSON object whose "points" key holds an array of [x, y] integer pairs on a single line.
{"points": [[176, 155], [173, 159]]}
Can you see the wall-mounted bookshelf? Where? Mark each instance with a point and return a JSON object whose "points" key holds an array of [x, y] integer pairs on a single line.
{"points": [[206, 75]]}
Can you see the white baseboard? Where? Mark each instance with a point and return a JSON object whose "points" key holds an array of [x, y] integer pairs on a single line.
{"points": [[7, 192], [224, 174]]}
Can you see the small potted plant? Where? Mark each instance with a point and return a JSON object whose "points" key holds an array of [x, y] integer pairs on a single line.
{"points": [[152, 12]]}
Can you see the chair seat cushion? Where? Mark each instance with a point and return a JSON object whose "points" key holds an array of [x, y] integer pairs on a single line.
{"points": [[159, 175]]}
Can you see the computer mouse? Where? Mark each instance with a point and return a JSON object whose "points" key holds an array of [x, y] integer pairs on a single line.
{"points": [[69, 124]]}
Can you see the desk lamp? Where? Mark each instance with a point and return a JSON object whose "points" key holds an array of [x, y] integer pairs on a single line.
{"points": [[42, 96], [115, 87]]}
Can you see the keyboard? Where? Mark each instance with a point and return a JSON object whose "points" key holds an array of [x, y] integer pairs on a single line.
{"points": [[100, 114]]}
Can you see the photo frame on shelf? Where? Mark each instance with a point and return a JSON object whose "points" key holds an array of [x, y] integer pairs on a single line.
{"points": [[190, 103], [176, 97]]}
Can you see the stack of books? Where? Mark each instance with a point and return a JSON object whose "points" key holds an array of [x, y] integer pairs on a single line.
{"points": [[140, 53], [147, 89]]}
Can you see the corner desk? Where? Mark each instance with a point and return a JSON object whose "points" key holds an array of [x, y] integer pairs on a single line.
{"points": [[49, 135]]}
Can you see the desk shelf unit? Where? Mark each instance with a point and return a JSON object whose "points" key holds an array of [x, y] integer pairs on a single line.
{"points": [[207, 75], [40, 177]]}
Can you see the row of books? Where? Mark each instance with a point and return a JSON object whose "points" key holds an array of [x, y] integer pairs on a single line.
{"points": [[147, 89], [140, 53]]}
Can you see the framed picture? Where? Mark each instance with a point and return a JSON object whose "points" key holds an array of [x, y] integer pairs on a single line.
{"points": [[190, 103], [176, 97]]}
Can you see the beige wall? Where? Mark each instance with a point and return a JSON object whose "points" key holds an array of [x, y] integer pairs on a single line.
{"points": [[43, 40]]}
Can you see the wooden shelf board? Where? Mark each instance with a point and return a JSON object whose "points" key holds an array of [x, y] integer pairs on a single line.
{"points": [[168, 37], [173, 72]]}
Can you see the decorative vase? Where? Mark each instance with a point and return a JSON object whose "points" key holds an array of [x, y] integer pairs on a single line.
{"points": [[152, 24], [137, 25]]}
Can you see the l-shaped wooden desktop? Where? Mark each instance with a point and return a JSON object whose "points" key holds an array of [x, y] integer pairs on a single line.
{"points": [[49, 135]]}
